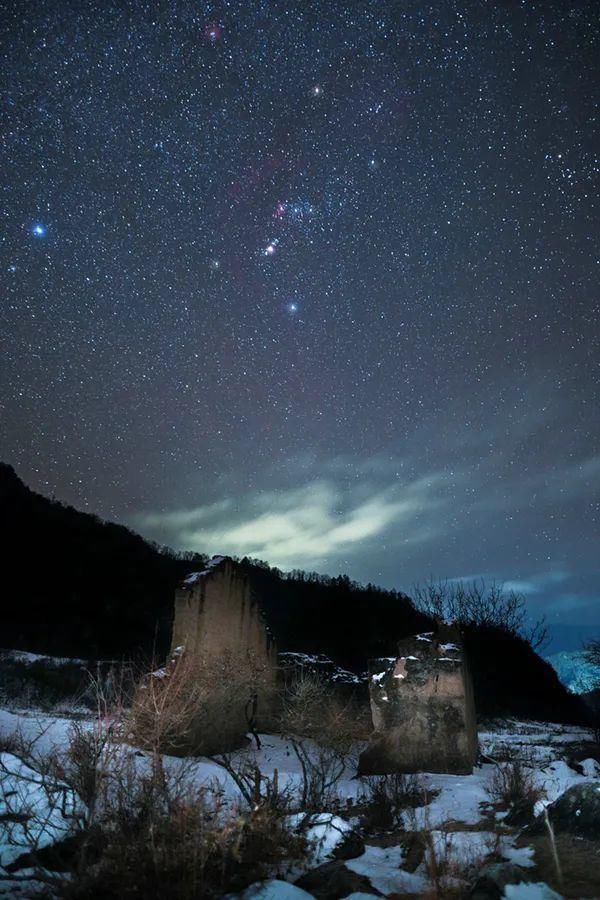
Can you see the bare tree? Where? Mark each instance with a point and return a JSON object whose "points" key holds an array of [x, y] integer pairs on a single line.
{"points": [[480, 604]]}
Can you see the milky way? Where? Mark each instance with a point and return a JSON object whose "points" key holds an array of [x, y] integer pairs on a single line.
{"points": [[316, 282]]}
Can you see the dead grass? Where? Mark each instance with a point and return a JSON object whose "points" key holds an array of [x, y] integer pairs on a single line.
{"points": [[311, 707], [513, 786], [579, 863], [449, 876], [146, 831], [196, 707], [386, 798]]}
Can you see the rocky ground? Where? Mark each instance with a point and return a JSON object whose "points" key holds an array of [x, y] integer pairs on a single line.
{"points": [[432, 835], [525, 823]]}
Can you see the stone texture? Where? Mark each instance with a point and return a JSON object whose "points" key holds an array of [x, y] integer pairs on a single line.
{"points": [[493, 879], [333, 880], [576, 812], [422, 708], [217, 617]]}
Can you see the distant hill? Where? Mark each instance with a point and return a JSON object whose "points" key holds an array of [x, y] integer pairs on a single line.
{"points": [[73, 585], [575, 671]]}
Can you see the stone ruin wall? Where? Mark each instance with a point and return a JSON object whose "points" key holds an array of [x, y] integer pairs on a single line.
{"points": [[216, 614], [217, 618], [423, 709]]}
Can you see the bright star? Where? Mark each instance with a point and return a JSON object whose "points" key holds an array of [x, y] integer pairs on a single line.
{"points": [[271, 248], [317, 90], [38, 230], [292, 307], [213, 32]]}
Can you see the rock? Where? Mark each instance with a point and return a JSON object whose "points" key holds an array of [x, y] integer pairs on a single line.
{"points": [[350, 847], [576, 812], [521, 812], [494, 878], [329, 836], [422, 708], [333, 880], [60, 856]]}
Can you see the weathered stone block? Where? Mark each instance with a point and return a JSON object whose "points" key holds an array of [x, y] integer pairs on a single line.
{"points": [[218, 619], [422, 708]]}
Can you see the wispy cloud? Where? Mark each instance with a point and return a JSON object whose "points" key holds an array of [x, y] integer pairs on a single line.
{"points": [[303, 526], [478, 506]]}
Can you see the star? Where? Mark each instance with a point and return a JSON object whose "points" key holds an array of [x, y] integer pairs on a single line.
{"points": [[213, 32], [234, 200]]}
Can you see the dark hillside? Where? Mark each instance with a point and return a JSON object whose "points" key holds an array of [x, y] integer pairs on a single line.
{"points": [[73, 585], [511, 679], [336, 616]]}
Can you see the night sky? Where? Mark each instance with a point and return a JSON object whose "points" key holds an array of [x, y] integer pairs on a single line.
{"points": [[315, 282]]}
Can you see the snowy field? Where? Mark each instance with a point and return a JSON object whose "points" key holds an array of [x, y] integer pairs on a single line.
{"points": [[456, 820]]}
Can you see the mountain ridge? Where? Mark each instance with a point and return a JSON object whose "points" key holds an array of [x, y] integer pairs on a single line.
{"points": [[75, 585]]}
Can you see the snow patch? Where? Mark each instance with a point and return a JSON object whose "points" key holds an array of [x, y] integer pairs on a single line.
{"points": [[33, 814], [324, 833], [382, 866], [536, 891], [193, 577], [273, 890]]}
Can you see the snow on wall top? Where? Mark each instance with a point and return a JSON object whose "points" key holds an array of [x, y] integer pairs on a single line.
{"points": [[194, 577]]}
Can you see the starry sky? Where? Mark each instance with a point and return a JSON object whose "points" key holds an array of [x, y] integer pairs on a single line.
{"points": [[315, 282]]}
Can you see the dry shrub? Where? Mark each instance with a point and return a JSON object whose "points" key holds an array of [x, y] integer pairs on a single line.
{"points": [[147, 831], [197, 706], [448, 874], [158, 843], [513, 786], [314, 708], [323, 727], [257, 789], [386, 798]]}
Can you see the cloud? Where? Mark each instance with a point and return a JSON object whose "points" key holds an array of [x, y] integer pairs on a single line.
{"points": [[507, 510], [538, 583], [302, 526]]}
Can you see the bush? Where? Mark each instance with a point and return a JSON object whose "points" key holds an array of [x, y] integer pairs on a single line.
{"points": [[387, 797], [313, 708], [513, 786], [43, 683], [323, 728], [143, 831], [195, 706], [189, 846]]}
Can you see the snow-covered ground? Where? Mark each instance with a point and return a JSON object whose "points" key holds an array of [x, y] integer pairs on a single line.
{"points": [[456, 820]]}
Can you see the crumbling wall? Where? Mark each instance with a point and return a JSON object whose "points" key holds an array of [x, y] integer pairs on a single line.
{"points": [[216, 618], [422, 708]]}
